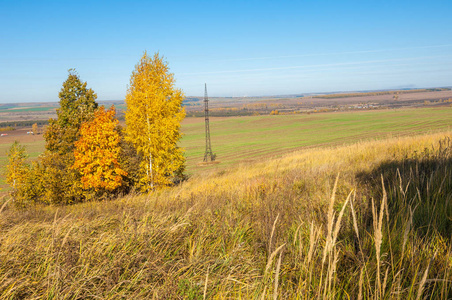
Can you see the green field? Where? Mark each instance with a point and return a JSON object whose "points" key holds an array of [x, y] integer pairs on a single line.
{"points": [[243, 139], [26, 109]]}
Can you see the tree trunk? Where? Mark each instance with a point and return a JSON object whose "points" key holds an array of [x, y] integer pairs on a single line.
{"points": [[150, 175], [150, 170]]}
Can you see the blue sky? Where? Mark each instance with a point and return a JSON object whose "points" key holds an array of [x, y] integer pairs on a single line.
{"points": [[239, 48]]}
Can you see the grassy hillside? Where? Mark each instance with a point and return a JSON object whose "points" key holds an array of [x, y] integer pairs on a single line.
{"points": [[370, 220]]}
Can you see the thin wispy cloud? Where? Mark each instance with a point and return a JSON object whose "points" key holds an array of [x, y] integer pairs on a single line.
{"points": [[368, 62], [352, 70], [335, 53]]}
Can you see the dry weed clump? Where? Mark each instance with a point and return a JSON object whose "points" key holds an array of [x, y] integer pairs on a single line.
{"points": [[365, 221]]}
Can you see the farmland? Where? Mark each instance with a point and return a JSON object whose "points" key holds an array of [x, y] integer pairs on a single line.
{"points": [[27, 112], [312, 103], [251, 138], [18, 113], [242, 139]]}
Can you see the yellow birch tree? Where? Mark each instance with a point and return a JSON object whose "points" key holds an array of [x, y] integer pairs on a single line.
{"points": [[153, 116], [17, 169]]}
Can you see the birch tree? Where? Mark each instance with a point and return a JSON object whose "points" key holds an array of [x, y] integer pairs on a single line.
{"points": [[17, 167], [153, 116]]}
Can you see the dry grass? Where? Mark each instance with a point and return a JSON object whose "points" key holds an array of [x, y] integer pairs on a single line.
{"points": [[290, 228]]}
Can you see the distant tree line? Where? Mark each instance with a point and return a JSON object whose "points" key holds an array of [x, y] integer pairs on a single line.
{"points": [[347, 95], [23, 123], [222, 113], [190, 101]]}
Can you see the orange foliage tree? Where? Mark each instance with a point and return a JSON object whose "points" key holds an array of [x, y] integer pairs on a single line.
{"points": [[97, 152]]}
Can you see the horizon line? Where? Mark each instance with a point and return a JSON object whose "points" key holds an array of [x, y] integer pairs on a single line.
{"points": [[271, 95]]}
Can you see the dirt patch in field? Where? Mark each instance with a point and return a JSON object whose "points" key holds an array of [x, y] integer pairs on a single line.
{"points": [[19, 135], [195, 120]]}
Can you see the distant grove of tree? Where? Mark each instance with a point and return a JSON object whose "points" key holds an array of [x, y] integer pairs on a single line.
{"points": [[222, 113], [23, 123], [190, 101], [333, 96]]}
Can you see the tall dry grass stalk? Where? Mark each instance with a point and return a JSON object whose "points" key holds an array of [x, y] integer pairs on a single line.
{"points": [[278, 268], [378, 237], [424, 277], [4, 205], [205, 284]]}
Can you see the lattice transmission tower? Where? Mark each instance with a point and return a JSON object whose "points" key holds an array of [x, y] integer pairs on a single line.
{"points": [[208, 155]]}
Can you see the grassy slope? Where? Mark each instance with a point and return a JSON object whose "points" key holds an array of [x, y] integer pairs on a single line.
{"points": [[252, 231]]}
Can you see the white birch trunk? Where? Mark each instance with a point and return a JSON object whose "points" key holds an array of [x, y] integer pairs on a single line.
{"points": [[150, 174]]}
